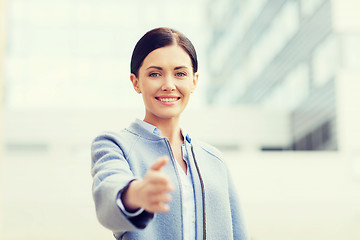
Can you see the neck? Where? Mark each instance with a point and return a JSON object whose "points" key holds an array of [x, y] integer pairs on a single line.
{"points": [[169, 127]]}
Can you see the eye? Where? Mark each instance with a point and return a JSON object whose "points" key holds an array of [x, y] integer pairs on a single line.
{"points": [[154, 74], [181, 74]]}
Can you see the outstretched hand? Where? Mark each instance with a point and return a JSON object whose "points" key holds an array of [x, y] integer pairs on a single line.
{"points": [[151, 192]]}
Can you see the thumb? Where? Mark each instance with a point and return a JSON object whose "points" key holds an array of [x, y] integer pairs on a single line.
{"points": [[159, 163]]}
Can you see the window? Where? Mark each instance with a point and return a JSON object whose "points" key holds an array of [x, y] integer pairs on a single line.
{"points": [[274, 39], [309, 6], [325, 61], [290, 92], [76, 54]]}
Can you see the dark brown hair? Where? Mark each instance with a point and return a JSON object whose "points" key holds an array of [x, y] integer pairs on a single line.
{"points": [[158, 38]]}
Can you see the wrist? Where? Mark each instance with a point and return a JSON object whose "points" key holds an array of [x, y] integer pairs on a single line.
{"points": [[129, 198]]}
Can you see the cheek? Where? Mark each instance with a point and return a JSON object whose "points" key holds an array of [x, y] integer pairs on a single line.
{"points": [[146, 86], [185, 88]]}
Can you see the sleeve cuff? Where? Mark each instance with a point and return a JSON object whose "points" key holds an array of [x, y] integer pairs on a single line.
{"points": [[122, 207], [140, 218]]}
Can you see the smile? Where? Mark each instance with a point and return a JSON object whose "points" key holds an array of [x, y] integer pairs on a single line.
{"points": [[167, 99]]}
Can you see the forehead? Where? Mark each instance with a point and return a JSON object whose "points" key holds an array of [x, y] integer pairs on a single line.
{"points": [[170, 56]]}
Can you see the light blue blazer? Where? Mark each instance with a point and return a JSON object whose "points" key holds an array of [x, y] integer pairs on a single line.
{"points": [[118, 158]]}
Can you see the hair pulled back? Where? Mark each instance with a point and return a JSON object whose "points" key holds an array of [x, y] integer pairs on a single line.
{"points": [[158, 38]]}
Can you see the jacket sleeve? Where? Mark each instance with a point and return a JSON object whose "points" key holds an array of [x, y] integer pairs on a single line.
{"points": [[239, 228], [111, 174]]}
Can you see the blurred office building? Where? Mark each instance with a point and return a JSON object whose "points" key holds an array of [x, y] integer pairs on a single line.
{"points": [[68, 62], [76, 54], [287, 55]]}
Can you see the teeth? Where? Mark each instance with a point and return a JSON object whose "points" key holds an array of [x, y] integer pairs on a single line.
{"points": [[168, 99]]}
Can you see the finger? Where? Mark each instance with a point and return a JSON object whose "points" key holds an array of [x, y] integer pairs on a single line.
{"points": [[160, 198], [156, 177], [159, 189], [164, 208], [159, 182], [159, 207], [159, 163]]}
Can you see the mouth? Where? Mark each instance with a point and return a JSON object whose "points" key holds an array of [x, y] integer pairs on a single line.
{"points": [[167, 100]]}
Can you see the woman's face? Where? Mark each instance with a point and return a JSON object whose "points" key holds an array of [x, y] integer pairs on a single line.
{"points": [[165, 80]]}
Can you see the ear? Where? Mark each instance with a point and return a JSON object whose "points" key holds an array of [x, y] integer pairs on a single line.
{"points": [[135, 83], [195, 81]]}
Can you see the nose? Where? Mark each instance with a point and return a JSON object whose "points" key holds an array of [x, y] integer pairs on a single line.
{"points": [[168, 84]]}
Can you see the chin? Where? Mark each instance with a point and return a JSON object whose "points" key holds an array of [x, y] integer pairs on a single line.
{"points": [[168, 114]]}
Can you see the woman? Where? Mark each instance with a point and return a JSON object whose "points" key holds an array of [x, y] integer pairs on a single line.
{"points": [[151, 180]]}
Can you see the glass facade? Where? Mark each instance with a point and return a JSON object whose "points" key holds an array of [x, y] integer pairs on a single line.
{"points": [[273, 39], [285, 58], [295, 84], [325, 61], [308, 7], [76, 54]]}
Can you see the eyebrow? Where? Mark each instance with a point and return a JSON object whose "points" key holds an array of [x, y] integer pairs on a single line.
{"points": [[179, 67], [160, 68]]}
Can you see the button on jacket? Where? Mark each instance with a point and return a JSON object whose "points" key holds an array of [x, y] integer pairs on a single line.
{"points": [[119, 158]]}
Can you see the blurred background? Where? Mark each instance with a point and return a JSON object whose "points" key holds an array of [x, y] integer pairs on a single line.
{"points": [[278, 90]]}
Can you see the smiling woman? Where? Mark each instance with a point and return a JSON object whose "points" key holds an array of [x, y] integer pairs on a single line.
{"points": [[154, 167], [165, 80]]}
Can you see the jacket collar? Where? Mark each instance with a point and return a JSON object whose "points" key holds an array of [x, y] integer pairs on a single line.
{"points": [[141, 129]]}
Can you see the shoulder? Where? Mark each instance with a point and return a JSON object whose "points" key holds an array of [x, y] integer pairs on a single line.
{"points": [[114, 136], [112, 145], [111, 139]]}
